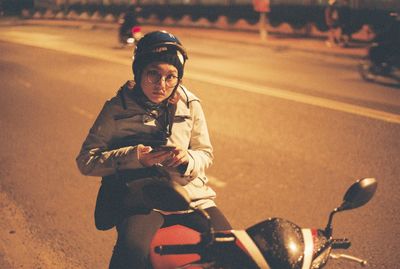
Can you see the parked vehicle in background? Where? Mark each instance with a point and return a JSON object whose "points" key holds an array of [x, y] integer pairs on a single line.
{"points": [[382, 63]]}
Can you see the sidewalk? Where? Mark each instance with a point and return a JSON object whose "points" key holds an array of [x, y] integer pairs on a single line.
{"points": [[278, 41], [356, 49]]}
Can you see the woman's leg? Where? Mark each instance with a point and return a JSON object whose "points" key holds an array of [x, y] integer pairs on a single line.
{"points": [[218, 220], [134, 237]]}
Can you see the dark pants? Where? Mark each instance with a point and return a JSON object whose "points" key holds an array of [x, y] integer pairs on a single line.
{"points": [[136, 232]]}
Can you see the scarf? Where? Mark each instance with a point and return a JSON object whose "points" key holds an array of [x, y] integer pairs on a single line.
{"points": [[163, 112]]}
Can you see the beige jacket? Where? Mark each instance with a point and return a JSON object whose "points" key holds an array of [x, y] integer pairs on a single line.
{"points": [[115, 122]]}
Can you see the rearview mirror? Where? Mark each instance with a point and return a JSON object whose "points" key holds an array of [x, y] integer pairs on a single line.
{"points": [[359, 193], [166, 196]]}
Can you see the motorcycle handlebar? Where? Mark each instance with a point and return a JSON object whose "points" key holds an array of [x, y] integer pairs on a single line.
{"points": [[177, 249], [341, 243]]}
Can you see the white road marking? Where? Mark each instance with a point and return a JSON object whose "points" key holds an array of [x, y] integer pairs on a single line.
{"points": [[57, 43], [82, 112], [216, 182], [298, 97]]}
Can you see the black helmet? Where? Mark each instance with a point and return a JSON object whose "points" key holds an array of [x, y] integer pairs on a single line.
{"points": [[158, 46], [281, 242]]}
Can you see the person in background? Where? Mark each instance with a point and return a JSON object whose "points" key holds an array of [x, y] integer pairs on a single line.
{"points": [[153, 128], [345, 23], [332, 21]]}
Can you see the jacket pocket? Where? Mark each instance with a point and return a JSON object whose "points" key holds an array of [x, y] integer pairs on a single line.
{"points": [[181, 118]]}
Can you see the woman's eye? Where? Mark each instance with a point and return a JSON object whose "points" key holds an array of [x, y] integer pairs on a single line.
{"points": [[170, 76]]}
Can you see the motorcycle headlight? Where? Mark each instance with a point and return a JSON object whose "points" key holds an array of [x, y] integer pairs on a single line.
{"points": [[280, 241]]}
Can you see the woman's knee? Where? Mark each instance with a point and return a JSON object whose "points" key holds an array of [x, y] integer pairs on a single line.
{"points": [[134, 237], [218, 219], [135, 246]]}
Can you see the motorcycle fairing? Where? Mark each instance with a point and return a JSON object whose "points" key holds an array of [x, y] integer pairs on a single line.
{"points": [[248, 245], [281, 243], [174, 235]]}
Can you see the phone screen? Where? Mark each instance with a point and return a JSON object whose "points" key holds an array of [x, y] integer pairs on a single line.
{"points": [[163, 148]]}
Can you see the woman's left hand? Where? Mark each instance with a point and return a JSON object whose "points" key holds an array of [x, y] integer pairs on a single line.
{"points": [[178, 156]]}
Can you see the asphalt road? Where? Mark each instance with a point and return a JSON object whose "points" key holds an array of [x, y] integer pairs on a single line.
{"points": [[291, 130]]}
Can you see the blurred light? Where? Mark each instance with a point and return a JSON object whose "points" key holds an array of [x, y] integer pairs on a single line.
{"points": [[293, 247]]}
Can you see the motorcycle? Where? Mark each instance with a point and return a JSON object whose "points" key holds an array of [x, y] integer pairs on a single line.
{"points": [[131, 37], [270, 244], [129, 32], [382, 63]]}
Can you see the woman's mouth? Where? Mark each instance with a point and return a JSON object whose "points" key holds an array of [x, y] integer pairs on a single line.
{"points": [[158, 93]]}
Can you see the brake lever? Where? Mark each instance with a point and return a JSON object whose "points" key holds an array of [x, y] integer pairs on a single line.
{"points": [[348, 257]]}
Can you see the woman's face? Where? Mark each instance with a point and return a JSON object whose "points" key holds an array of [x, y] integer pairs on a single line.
{"points": [[158, 81]]}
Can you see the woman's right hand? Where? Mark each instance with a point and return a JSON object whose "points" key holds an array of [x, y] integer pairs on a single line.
{"points": [[148, 158]]}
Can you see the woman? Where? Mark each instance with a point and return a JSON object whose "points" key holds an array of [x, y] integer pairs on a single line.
{"points": [[123, 147]]}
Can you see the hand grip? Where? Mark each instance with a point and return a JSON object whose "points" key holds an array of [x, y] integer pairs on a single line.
{"points": [[177, 249], [341, 243]]}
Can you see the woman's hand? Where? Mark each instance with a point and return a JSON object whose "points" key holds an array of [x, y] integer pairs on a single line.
{"points": [[178, 156], [149, 158]]}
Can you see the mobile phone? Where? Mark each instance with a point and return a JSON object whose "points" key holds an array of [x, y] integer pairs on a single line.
{"points": [[163, 148]]}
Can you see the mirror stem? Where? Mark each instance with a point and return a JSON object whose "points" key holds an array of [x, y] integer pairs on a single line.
{"points": [[328, 229]]}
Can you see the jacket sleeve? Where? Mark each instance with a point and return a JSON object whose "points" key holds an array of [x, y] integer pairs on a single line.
{"points": [[94, 158], [200, 148]]}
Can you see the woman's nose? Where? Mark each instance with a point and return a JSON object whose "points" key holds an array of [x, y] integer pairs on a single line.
{"points": [[160, 85]]}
